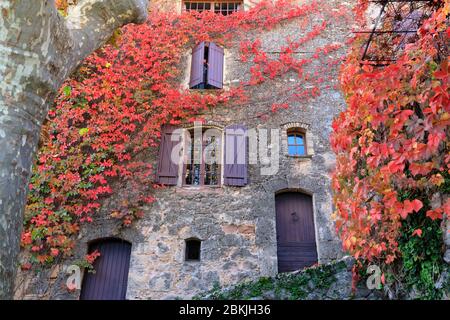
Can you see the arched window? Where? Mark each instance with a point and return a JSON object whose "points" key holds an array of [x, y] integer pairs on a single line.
{"points": [[193, 249], [110, 280], [296, 139]]}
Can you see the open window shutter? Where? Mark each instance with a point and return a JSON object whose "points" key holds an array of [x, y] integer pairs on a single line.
{"points": [[235, 162], [167, 169], [215, 67], [198, 57]]}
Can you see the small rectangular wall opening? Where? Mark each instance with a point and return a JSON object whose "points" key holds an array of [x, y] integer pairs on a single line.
{"points": [[193, 250]]}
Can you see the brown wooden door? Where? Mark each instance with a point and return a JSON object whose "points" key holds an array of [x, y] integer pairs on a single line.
{"points": [[109, 282], [295, 231]]}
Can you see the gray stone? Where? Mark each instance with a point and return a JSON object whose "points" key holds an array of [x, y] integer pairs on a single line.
{"points": [[162, 247], [161, 282], [447, 256]]}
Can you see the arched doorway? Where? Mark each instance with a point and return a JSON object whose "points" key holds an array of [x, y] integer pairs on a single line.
{"points": [[296, 240], [109, 282]]}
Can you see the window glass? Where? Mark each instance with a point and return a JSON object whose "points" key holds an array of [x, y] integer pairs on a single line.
{"points": [[296, 143], [292, 150], [291, 139], [204, 155]]}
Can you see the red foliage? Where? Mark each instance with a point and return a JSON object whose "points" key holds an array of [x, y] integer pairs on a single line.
{"points": [[90, 258], [392, 140]]}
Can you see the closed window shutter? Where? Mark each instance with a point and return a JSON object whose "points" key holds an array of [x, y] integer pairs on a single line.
{"points": [[215, 67], [167, 169], [198, 57], [235, 162]]}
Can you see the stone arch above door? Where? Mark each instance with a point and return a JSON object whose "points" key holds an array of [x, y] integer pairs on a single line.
{"points": [[284, 184]]}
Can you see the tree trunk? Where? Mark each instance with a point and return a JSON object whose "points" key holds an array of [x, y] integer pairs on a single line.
{"points": [[38, 50]]}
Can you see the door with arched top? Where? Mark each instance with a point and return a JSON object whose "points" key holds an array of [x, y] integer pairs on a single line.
{"points": [[110, 280], [296, 240]]}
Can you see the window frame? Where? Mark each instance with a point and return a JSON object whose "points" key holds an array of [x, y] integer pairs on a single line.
{"points": [[190, 132], [212, 3], [297, 132]]}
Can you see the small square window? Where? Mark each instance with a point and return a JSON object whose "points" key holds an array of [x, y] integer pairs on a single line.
{"points": [[193, 249]]}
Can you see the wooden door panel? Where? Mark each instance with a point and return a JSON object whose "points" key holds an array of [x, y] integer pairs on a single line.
{"points": [[295, 231], [109, 282]]}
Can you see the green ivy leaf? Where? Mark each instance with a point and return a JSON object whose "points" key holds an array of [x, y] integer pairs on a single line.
{"points": [[83, 131], [67, 91]]}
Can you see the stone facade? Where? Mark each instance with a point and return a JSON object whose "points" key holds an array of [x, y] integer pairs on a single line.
{"points": [[236, 224]]}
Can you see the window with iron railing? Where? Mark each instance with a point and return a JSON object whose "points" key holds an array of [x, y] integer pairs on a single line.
{"points": [[210, 156], [203, 155], [222, 7]]}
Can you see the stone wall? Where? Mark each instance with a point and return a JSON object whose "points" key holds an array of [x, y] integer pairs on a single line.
{"points": [[236, 225], [331, 281]]}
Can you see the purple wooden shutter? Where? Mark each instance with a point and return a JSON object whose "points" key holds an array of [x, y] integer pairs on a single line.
{"points": [[167, 168], [215, 66], [198, 57], [109, 282], [235, 158]]}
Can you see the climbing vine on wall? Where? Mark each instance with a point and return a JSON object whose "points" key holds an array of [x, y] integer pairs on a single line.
{"points": [[110, 112], [392, 175]]}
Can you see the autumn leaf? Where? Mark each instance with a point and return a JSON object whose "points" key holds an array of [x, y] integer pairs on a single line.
{"points": [[410, 206], [54, 252], [435, 214], [417, 232]]}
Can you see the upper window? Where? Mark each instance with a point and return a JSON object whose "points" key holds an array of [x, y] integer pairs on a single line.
{"points": [[296, 142], [222, 7], [207, 66]]}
